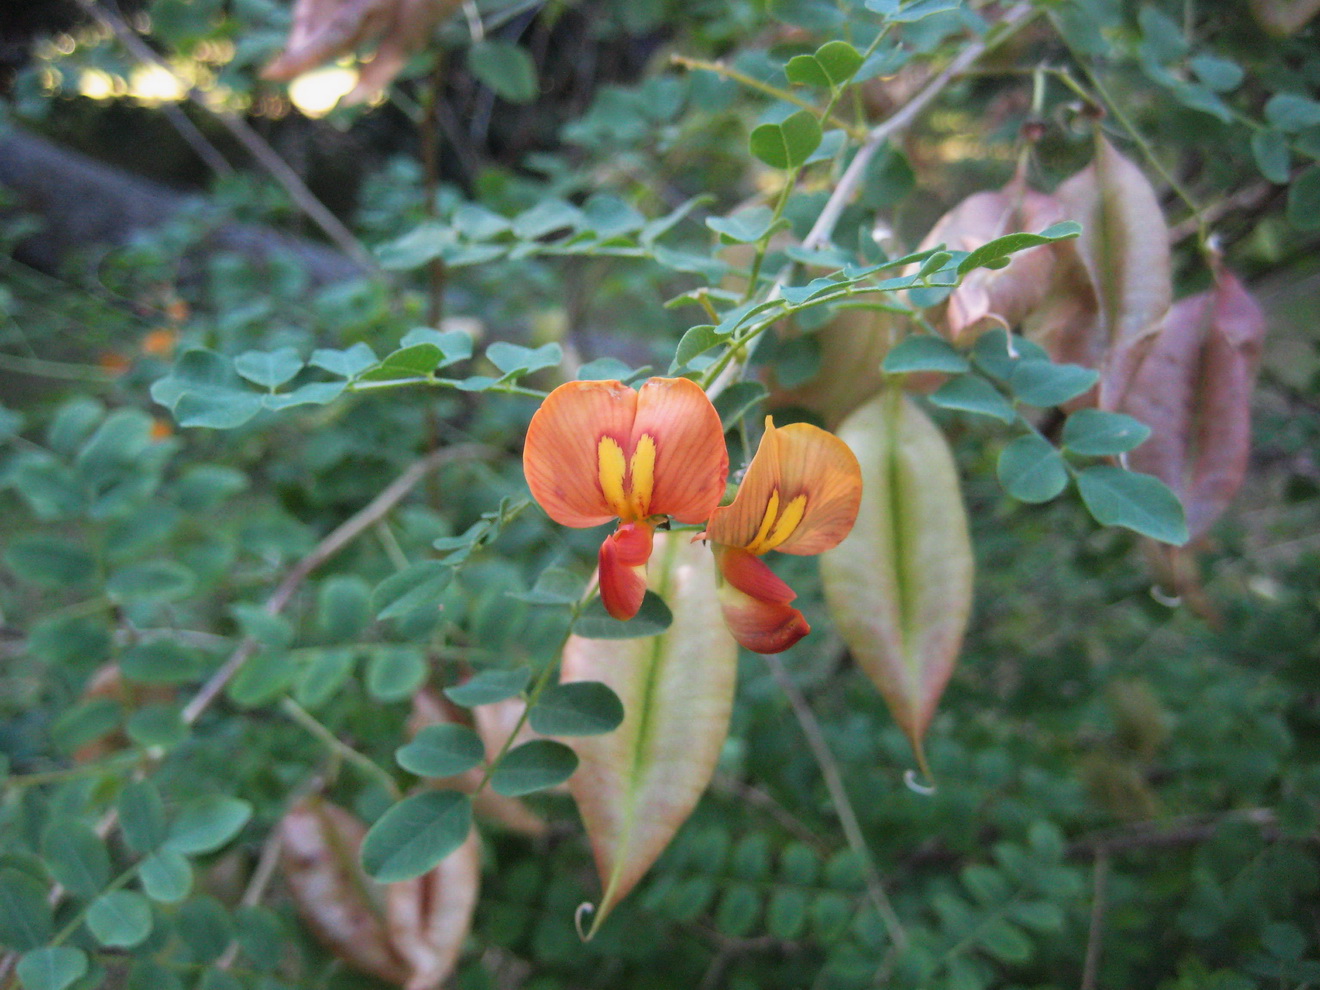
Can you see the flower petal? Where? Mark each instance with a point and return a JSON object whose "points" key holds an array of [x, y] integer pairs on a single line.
{"points": [[795, 461], [623, 558], [691, 462], [755, 600], [561, 457], [751, 576]]}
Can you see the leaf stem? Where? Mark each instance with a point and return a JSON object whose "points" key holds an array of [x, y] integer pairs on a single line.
{"points": [[341, 749]]}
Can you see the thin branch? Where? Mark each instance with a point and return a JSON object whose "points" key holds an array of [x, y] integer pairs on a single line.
{"points": [[196, 140], [351, 528], [759, 798], [829, 771], [242, 131], [1094, 939], [823, 229]]}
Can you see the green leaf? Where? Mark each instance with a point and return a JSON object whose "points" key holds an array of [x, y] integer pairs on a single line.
{"points": [[395, 673], [160, 661], [739, 910], [746, 226], [1040, 916], [120, 919], [1005, 942], [696, 342], [165, 877], [84, 722], [488, 687], [474, 221], [49, 561], [555, 586], [506, 68], [76, 857], [1139, 502], [545, 218], [1002, 247], [311, 394], [533, 766], [206, 824], [52, 968], [266, 676], [787, 913], [151, 581], [832, 65], [514, 360], [789, 143], [270, 630], [1304, 200], [580, 708], [1096, 433], [25, 914], [269, 369], [911, 11], [205, 927], [141, 816], [407, 362], [1219, 74], [991, 353], [1292, 112], [651, 619], [1270, 149], [738, 400], [318, 682], [343, 607], [158, 725], [416, 586], [441, 751], [1044, 384], [415, 835], [923, 352], [347, 363], [204, 390], [973, 394]]}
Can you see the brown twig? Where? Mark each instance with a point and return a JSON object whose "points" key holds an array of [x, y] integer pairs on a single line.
{"points": [[348, 531], [759, 798], [829, 771], [254, 143], [1094, 939]]}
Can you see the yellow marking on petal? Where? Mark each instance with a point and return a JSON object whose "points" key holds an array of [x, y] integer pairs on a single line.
{"points": [[776, 526], [767, 523], [641, 481], [611, 467]]}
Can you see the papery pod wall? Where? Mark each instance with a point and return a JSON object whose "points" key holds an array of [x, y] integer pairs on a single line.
{"points": [[900, 586]]}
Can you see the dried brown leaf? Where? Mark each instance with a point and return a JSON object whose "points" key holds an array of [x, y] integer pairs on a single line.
{"points": [[1002, 297], [1193, 389], [1284, 17], [344, 909], [430, 916]]}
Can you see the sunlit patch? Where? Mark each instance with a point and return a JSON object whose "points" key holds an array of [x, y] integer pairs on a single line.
{"points": [[315, 93], [97, 85], [155, 84]]}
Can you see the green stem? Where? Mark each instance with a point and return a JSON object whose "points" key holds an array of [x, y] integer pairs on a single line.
{"points": [[72, 773], [751, 82], [542, 681], [341, 749]]}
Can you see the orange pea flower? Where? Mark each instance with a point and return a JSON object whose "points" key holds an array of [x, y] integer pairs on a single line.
{"points": [[800, 495], [598, 451]]}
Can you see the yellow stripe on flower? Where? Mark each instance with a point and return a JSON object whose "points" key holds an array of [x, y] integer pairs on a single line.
{"points": [[611, 466], [627, 486], [776, 526], [641, 481]]}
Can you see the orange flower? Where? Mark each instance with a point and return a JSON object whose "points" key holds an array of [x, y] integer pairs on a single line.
{"points": [[598, 451], [800, 495]]}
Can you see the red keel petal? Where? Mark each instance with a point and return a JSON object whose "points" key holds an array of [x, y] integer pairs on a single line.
{"points": [[623, 558]]}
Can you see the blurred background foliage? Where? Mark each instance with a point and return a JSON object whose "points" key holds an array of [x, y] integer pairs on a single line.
{"points": [[1127, 784]]}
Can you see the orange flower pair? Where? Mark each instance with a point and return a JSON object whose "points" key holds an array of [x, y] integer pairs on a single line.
{"points": [[598, 451]]}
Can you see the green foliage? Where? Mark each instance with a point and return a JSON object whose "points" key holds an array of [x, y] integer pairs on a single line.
{"points": [[641, 226]]}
